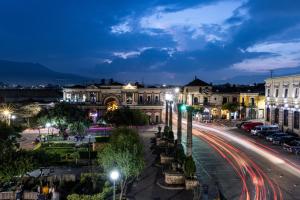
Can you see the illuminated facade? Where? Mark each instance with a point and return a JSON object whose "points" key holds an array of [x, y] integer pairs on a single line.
{"points": [[282, 102], [252, 105], [200, 94], [100, 98]]}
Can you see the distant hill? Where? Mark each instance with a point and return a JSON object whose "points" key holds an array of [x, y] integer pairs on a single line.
{"points": [[33, 73], [244, 79]]}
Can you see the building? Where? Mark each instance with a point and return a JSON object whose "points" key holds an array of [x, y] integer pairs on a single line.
{"points": [[202, 95], [252, 105], [282, 102], [98, 98]]}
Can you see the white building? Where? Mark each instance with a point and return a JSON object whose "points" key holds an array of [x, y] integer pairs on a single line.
{"points": [[282, 102]]}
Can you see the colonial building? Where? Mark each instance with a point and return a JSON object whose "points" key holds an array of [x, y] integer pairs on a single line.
{"points": [[200, 94], [99, 98], [252, 105], [282, 102]]}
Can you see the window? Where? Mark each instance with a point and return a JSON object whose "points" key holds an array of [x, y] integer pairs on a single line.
{"points": [[196, 100], [296, 92], [200, 90], [285, 117], [268, 92], [129, 98], [205, 101], [286, 91], [296, 120], [148, 99], [224, 100], [276, 92], [268, 114], [276, 120], [141, 99], [252, 102], [234, 100], [156, 99], [156, 119]]}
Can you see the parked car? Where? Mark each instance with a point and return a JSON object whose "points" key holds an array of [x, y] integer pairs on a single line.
{"points": [[239, 125], [292, 146], [248, 126], [282, 139], [264, 130], [271, 137]]}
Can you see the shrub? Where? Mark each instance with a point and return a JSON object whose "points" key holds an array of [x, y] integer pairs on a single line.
{"points": [[102, 139], [189, 167]]}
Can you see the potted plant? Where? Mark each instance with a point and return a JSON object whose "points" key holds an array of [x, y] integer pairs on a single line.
{"points": [[189, 169]]}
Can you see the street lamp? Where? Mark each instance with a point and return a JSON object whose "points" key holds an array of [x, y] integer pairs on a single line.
{"points": [[177, 90], [114, 176], [48, 125]]}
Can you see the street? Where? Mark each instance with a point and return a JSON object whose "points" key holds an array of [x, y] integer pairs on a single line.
{"points": [[242, 167]]}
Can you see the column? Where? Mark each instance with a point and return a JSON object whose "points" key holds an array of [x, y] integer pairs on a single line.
{"points": [[179, 122], [167, 113], [171, 117], [189, 141]]}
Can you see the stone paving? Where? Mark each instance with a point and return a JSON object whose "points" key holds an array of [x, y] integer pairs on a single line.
{"points": [[146, 187]]}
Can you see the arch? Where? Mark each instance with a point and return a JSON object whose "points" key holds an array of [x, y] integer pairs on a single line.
{"points": [[110, 99]]}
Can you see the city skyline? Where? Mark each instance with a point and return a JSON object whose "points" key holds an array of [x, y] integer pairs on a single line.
{"points": [[215, 40]]}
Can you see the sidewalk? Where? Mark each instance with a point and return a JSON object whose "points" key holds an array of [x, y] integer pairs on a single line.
{"points": [[146, 188]]}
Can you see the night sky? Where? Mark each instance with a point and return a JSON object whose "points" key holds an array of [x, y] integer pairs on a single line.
{"points": [[154, 40]]}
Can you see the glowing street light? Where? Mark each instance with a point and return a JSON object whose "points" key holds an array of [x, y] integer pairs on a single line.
{"points": [[114, 176], [13, 117], [177, 90], [48, 125], [169, 97]]}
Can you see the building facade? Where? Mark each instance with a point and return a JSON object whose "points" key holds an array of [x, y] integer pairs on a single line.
{"points": [[100, 98], [282, 102], [200, 94], [252, 105]]}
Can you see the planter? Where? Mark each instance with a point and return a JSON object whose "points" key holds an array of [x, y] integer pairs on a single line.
{"points": [[191, 184], [174, 178], [164, 159]]}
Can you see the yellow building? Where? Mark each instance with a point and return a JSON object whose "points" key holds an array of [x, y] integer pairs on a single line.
{"points": [[252, 105]]}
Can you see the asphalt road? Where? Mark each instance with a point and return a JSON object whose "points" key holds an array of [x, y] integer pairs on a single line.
{"points": [[242, 166]]}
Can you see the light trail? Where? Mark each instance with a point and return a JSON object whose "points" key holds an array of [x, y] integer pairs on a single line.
{"points": [[259, 149], [251, 175]]}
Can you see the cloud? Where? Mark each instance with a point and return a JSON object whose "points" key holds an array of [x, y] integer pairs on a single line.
{"points": [[274, 55], [206, 23], [130, 54], [121, 28]]}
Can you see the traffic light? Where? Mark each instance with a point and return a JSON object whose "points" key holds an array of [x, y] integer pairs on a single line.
{"points": [[183, 107]]}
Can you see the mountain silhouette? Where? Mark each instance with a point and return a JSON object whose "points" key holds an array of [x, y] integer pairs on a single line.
{"points": [[26, 73]]}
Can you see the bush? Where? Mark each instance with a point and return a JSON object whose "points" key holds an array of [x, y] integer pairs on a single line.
{"points": [[189, 167], [58, 144], [102, 139], [85, 154]]}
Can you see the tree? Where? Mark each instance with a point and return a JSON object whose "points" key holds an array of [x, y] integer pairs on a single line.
{"points": [[14, 162], [189, 167], [231, 107], [29, 111], [125, 152], [127, 117]]}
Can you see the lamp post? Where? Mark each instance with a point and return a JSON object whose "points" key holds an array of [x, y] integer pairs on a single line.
{"points": [[48, 125], [114, 176], [89, 137]]}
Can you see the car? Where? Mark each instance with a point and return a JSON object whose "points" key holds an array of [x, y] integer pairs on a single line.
{"points": [[282, 139], [264, 130], [248, 126], [272, 136], [239, 125], [292, 146]]}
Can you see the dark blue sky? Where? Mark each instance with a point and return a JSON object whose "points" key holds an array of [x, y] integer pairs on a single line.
{"points": [[155, 41]]}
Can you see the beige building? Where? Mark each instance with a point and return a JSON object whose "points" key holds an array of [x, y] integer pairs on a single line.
{"points": [[200, 94], [282, 102], [102, 97]]}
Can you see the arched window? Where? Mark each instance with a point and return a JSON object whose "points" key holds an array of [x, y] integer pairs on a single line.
{"points": [[196, 100]]}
